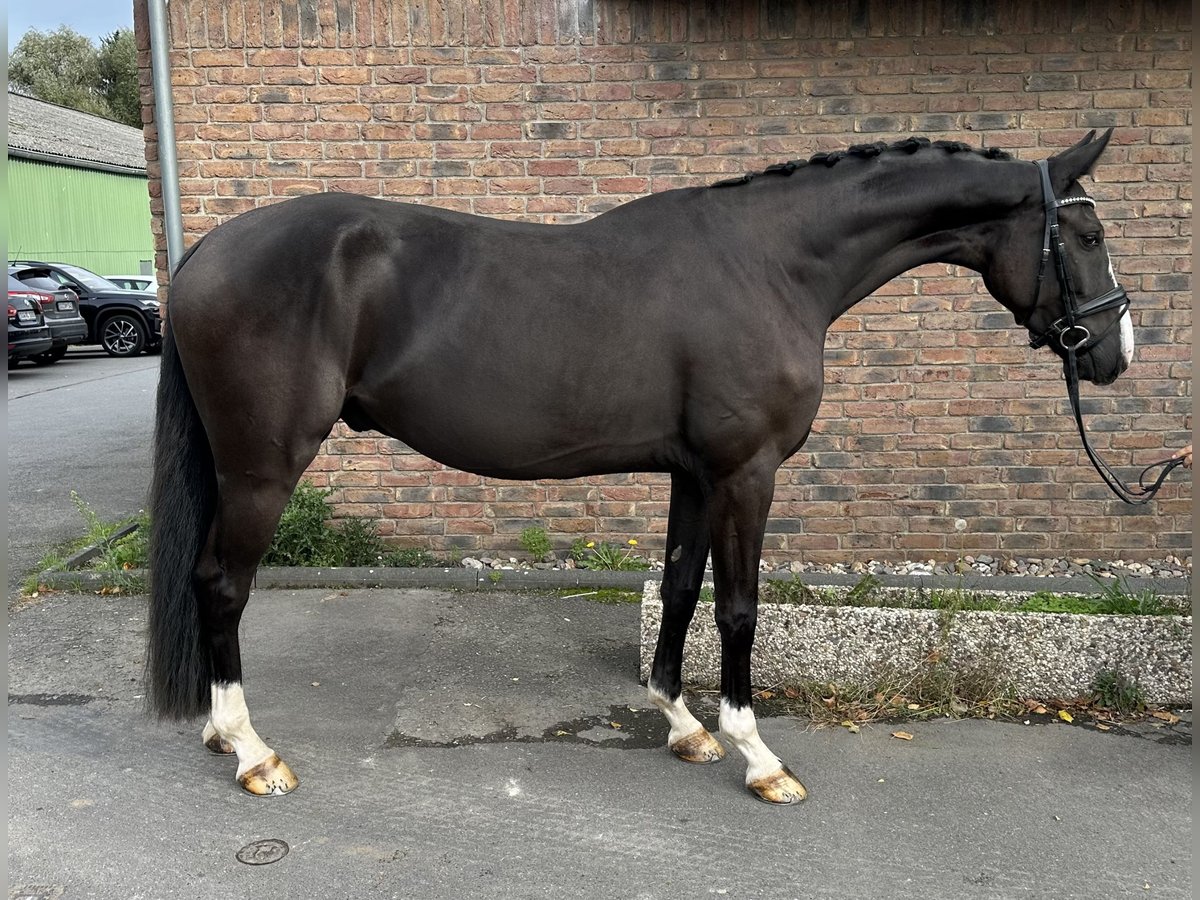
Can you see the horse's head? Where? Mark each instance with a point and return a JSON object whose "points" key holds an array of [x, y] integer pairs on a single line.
{"points": [[1051, 268]]}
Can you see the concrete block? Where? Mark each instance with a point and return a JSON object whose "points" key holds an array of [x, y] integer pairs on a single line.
{"points": [[1043, 655]]}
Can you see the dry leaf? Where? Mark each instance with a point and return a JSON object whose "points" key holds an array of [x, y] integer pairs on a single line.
{"points": [[766, 695], [1102, 728], [560, 732], [1065, 716], [853, 729], [1040, 710], [1168, 717], [913, 706], [616, 725], [903, 735]]}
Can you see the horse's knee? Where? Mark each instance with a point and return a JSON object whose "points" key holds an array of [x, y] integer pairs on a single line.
{"points": [[737, 625]]}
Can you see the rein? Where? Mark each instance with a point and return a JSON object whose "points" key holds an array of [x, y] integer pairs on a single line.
{"points": [[1075, 338]]}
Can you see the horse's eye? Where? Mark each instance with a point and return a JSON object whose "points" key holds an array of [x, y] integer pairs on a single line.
{"points": [[1091, 239]]}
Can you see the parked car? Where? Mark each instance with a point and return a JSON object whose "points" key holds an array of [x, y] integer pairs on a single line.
{"points": [[60, 309], [28, 333], [123, 322], [147, 283]]}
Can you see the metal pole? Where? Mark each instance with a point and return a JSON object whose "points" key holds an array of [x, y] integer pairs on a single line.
{"points": [[164, 118]]}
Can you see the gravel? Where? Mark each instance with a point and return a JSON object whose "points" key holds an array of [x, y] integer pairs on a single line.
{"points": [[1168, 567]]}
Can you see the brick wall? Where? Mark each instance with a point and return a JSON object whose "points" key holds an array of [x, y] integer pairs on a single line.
{"points": [[941, 434]]}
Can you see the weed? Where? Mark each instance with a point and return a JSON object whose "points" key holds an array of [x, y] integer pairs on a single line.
{"points": [[118, 557], [1116, 598], [791, 590], [305, 536], [607, 556], [130, 552], [535, 542], [494, 577], [863, 593], [932, 689], [411, 557], [355, 542], [97, 529], [1117, 692], [611, 596], [302, 538]]}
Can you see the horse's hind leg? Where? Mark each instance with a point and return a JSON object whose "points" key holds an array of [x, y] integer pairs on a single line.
{"points": [[248, 510], [687, 550]]}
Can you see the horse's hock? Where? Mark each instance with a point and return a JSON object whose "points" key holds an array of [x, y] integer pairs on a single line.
{"points": [[1040, 655]]}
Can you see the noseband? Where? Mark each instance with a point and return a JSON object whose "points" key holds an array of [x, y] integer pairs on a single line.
{"points": [[1075, 338]]}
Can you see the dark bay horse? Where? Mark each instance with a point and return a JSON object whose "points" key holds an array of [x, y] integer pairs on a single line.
{"points": [[682, 333]]}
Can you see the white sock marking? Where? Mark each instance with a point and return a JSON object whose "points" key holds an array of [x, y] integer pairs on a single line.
{"points": [[231, 720], [681, 720], [739, 726]]}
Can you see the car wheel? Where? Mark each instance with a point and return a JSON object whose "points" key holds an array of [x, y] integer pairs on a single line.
{"points": [[122, 335], [50, 357]]}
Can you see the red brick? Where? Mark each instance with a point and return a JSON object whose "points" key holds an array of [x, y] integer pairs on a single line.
{"points": [[609, 119]]}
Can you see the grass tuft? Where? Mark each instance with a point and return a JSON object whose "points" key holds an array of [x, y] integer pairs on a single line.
{"points": [[1118, 693]]}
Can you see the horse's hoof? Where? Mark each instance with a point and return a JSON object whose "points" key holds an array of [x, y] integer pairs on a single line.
{"points": [[781, 788], [698, 747], [270, 777], [218, 744]]}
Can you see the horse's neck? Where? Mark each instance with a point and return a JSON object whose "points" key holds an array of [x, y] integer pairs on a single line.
{"points": [[871, 221]]}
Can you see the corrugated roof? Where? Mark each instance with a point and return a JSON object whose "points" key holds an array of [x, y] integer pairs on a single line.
{"points": [[74, 137]]}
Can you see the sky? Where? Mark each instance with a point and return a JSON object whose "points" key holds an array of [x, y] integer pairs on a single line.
{"points": [[94, 18]]}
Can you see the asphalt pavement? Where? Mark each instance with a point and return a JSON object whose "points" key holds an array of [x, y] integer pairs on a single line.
{"points": [[498, 744], [82, 424]]}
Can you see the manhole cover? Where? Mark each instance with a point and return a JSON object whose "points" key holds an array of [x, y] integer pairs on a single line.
{"points": [[262, 853]]}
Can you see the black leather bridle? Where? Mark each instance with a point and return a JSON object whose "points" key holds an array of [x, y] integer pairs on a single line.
{"points": [[1075, 338]]}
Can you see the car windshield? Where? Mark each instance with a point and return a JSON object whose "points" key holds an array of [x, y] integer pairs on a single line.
{"points": [[89, 279]]}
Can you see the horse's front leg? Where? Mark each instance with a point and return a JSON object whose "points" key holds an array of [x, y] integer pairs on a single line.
{"points": [[687, 551], [738, 515]]}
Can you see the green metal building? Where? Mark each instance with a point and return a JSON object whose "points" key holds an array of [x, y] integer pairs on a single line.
{"points": [[77, 189]]}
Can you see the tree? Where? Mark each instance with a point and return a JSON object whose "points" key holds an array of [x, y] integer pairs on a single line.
{"points": [[65, 67], [118, 81]]}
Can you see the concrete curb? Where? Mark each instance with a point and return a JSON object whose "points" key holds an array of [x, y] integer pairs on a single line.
{"points": [[300, 577], [1042, 655], [90, 552], [553, 579]]}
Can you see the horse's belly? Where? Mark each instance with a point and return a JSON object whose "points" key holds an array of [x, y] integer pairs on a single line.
{"points": [[521, 437]]}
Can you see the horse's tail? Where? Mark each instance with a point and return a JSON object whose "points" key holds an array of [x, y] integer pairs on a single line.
{"points": [[182, 500]]}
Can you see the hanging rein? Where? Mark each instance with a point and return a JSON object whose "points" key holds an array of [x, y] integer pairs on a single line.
{"points": [[1075, 338]]}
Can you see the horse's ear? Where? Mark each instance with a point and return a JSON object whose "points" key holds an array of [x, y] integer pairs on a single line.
{"points": [[1071, 165]]}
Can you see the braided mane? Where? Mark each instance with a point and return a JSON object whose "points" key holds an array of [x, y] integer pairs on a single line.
{"points": [[863, 151]]}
